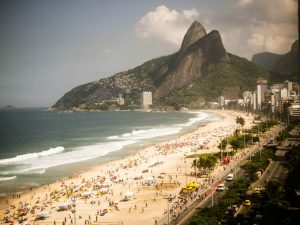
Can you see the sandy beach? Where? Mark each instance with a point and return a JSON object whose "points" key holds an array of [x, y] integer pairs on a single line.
{"points": [[129, 191]]}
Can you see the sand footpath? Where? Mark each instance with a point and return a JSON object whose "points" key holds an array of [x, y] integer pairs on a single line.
{"points": [[131, 191]]}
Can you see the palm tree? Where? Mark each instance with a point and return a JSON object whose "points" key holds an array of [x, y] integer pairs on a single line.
{"points": [[235, 144], [222, 147], [273, 194], [240, 120]]}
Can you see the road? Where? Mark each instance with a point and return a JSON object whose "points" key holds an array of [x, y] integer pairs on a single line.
{"points": [[213, 196]]}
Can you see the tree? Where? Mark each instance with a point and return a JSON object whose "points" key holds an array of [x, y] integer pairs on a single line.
{"points": [[205, 161], [223, 144], [273, 195], [241, 121], [235, 144], [251, 169]]}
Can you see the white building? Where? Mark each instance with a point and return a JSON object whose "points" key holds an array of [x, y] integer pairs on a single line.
{"points": [[146, 100], [247, 95], [295, 108], [262, 87], [284, 93], [254, 100], [221, 100]]}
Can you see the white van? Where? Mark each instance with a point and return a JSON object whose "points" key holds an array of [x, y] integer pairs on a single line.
{"points": [[230, 176]]}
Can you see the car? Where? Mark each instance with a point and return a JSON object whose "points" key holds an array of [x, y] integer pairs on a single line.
{"points": [[259, 189], [230, 176], [221, 187], [247, 203]]}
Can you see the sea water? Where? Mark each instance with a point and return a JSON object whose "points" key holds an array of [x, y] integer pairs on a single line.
{"points": [[38, 147]]}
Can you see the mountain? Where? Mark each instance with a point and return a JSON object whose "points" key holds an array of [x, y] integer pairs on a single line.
{"points": [[289, 62], [266, 60], [200, 71], [282, 67]]}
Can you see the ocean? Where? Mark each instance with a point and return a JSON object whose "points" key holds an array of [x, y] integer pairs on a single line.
{"points": [[39, 147]]}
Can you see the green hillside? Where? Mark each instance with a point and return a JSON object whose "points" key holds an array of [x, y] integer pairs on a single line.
{"points": [[229, 79]]}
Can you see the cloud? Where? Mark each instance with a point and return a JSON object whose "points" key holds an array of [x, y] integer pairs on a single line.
{"points": [[164, 24], [246, 26], [244, 2], [106, 50], [252, 26]]}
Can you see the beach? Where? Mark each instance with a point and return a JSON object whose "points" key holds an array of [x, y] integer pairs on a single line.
{"points": [[132, 190]]}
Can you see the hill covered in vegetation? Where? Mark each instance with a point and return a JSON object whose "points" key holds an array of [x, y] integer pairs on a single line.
{"points": [[199, 72]]}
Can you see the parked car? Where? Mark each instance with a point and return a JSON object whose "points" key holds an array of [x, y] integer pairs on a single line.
{"points": [[221, 187], [230, 176], [247, 203], [259, 189]]}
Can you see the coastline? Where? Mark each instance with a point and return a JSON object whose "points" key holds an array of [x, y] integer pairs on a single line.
{"points": [[167, 157]]}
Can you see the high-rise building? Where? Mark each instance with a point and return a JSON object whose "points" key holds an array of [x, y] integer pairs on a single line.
{"points": [[146, 100], [262, 87], [221, 100], [295, 108], [254, 100]]}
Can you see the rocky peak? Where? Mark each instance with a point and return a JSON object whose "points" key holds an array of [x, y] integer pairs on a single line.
{"points": [[198, 55], [194, 33], [212, 48]]}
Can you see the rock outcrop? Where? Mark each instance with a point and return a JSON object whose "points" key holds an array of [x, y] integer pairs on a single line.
{"points": [[199, 55], [194, 33]]}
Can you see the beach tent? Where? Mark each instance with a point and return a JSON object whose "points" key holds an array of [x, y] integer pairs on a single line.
{"points": [[149, 180], [128, 195], [193, 185], [107, 183], [42, 215], [104, 190], [86, 194], [64, 206]]}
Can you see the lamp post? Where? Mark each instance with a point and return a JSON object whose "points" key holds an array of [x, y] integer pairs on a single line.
{"points": [[212, 197], [221, 150], [73, 198], [169, 200], [196, 169], [168, 212], [185, 169]]}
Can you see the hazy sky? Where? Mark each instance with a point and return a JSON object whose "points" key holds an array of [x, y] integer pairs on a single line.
{"points": [[49, 47]]}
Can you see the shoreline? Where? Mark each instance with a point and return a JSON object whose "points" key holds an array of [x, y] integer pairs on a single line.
{"points": [[79, 167], [166, 157]]}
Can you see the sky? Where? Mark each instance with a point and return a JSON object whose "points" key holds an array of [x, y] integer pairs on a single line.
{"points": [[49, 47]]}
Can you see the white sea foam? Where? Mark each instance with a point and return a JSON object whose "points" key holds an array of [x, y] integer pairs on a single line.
{"points": [[39, 165], [28, 156], [7, 178], [199, 116], [138, 135], [161, 131]]}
